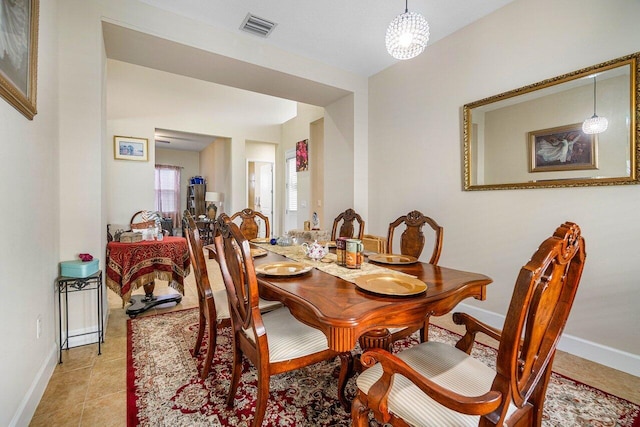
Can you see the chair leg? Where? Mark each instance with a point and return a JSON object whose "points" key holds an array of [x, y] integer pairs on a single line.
{"points": [[346, 371], [537, 397], [211, 349], [236, 372], [263, 396], [424, 331], [359, 414], [201, 325]]}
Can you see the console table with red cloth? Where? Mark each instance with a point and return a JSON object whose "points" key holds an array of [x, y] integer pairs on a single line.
{"points": [[131, 265]]}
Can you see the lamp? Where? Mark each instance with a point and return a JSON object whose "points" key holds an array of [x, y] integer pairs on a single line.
{"points": [[594, 124], [407, 35], [212, 209]]}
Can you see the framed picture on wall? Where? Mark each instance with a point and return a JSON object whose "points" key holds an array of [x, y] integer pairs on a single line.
{"points": [[130, 148], [302, 155], [562, 148], [19, 54]]}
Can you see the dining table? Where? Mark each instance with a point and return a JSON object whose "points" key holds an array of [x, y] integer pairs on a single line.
{"points": [[348, 307], [328, 297], [132, 265]]}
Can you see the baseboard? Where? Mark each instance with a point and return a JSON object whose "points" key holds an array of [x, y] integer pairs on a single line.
{"points": [[31, 399], [607, 356]]}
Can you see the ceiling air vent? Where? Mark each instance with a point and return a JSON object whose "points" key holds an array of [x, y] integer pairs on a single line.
{"points": [[258, 26]]}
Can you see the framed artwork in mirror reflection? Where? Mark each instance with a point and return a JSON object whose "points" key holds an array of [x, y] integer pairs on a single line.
{"points": [[562, 148]]}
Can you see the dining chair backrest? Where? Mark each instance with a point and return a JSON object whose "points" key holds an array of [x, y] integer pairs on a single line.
{"points": [[196, 253], [347, 228], [249, 226], [412, 239], [209, 314]]}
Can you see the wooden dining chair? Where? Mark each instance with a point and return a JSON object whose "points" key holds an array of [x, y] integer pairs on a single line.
{"points": [[347, 229], [412, 239], [213, 305], [436, 384], [249, 226], [412, 242], [274, 342]]}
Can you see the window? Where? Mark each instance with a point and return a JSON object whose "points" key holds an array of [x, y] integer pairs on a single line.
{"points": [[167, 187], [292, 185]]}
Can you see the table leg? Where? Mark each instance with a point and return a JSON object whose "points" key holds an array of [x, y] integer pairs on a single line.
{"points": [[140, 304], [346, 372]]}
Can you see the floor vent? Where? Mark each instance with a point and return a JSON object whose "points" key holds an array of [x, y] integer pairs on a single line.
{"points": [[258, 26]]}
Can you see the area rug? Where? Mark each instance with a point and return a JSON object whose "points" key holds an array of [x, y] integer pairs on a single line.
{"points": [[164, 389]]}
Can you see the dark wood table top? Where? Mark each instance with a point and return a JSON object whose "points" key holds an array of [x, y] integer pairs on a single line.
{"points": [[345, 313]]}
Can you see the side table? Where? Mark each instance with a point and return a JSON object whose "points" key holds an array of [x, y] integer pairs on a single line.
{"points": [[67, 285]]}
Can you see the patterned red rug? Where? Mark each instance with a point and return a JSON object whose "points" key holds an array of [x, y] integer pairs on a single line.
{"points": [[164, 389]]}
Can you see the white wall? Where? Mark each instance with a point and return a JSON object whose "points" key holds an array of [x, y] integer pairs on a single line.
{"points": [[213, 168], [294, 130], [29, 251], [345, 173], [142, 99], [417, 106]]}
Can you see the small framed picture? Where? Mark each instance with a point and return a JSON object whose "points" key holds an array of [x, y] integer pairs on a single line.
{"points": [[129, 148], [562, 148], [302, 155]]}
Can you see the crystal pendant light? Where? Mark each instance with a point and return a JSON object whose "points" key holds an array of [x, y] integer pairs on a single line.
{"points": [[407, 35], [594, 124]]}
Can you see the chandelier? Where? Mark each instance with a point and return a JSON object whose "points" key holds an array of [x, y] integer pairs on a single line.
{"points": [[407, 35], [594, 124]]}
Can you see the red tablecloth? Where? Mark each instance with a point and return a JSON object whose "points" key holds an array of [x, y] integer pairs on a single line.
{"points": [[131, 265]]}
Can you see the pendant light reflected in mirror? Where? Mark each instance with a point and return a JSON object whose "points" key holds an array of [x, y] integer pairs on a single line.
{"points": [[594, 124]]}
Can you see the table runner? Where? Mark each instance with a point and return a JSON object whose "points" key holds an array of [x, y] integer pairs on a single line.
{"points": [[297, 254], [310, 235]]}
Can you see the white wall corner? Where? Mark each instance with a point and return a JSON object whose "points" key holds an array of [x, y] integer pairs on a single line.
{"points": [[607, 356]]}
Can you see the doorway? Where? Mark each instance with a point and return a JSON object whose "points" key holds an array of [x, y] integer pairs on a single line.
{"points": [[260, 191]]}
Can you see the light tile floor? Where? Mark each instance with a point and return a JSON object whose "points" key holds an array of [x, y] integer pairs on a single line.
{"points": [[90, 390]]}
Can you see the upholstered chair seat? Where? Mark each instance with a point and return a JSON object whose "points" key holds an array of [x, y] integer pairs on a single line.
{"points": [[289, 338], [446, 366]]}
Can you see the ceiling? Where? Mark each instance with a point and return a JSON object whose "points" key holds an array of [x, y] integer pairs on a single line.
{"points": [[348, 34], [186, 141]]}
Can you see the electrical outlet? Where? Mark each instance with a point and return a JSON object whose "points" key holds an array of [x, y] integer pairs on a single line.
{"points": [[38, 327]]}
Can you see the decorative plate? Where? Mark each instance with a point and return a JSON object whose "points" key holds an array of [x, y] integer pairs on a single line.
{"points": [[258, 252], [283, 269], [391, 284], [393, 259], [260, 240]]}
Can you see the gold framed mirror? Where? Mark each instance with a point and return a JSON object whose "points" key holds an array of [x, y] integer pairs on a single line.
{"points": [[533, 137]]}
